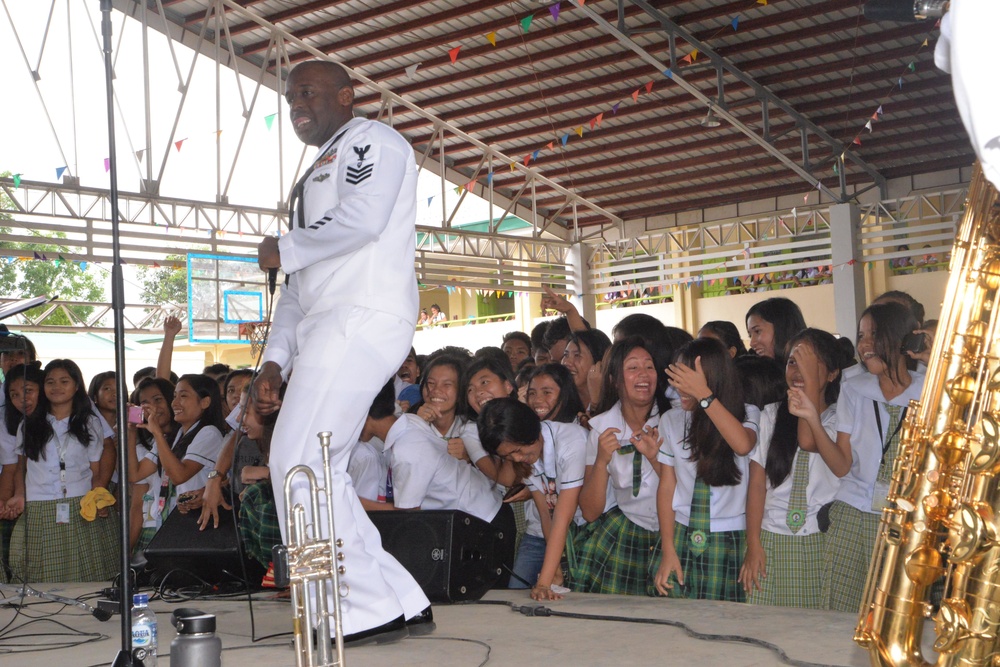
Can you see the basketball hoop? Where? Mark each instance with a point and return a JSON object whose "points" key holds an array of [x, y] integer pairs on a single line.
{"points": [[256, 333]]}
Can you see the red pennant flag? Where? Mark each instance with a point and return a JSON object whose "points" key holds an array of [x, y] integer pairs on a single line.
{"points": [[649, 87], [686, 59], [177, 144], [593, 121], [635, 95], [875, 116], [599, 118], [155, 265], [453, 54], [857, 141], [549, 146], [527, 159]]}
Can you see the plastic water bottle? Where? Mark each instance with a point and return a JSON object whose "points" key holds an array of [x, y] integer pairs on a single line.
{"points": [[143, 630]]}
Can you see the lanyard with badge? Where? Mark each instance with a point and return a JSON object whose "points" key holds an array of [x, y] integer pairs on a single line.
{"points": [[547, 483], [880, 494], [62, 509]]}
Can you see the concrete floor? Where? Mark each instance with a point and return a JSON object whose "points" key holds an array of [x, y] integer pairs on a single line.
{"points": [[469, 634]]}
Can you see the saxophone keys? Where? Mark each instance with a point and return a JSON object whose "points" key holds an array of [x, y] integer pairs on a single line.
{"points": [[969, 534], [951, 625]]}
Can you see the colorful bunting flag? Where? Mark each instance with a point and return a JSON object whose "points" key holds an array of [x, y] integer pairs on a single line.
{"points": [[549, 145], [614, 109], [526, 22], [761, 2], [17, 181], [411, 70], [593, 121], [564, 139], [512, 166], [430, 199], [868, 126], [554, 10], [879, 110], [534, 156], [600, 117], [874, 117], [453, 54], [668, 73], [60, 171], [694, 55], [735, 23], [269, 121], [635, 95], [579, 131], [37, 256], [177, 144], [900, 83], [649, 87], [489, 177], [491, 37], [857, 141], [924, 44], [107, 165], [527, 159], [139, 153], [912, 66]]}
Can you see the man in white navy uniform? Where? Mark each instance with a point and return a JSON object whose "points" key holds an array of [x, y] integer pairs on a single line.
{"points": [[344, 323]]}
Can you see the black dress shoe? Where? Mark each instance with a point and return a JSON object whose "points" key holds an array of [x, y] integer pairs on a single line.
{"points": [[386, 633], [421, 624]]}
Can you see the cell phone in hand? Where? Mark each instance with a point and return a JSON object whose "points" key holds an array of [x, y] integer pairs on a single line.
{"points": [[513, 491], [134, 414], [913, 342]]}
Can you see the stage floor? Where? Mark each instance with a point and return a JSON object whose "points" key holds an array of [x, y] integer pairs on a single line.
{"points": [[467, 634]]}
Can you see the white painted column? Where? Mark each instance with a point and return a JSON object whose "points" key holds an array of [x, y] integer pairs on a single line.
{"points": [[848, 279], [581, 289]]}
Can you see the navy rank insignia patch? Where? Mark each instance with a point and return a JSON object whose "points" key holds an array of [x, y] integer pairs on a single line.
{"points": [[361, 171], [321, 177]]}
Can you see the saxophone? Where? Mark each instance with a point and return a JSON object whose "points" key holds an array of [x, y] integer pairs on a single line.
{"points": [[943, 518]]}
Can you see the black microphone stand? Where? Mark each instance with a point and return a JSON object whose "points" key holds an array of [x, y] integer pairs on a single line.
{"points": [[124, 657]]}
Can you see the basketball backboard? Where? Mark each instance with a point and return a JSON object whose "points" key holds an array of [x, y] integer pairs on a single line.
{"points": [[223, 291]]}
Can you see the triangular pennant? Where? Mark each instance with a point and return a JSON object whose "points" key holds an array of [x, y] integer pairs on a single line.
{"points": [[649, 87], [580, 2], [735, 23], [430, 199], [900, 82], [668, 73], [761, 2], [512, 166], [107, 165], [458, 190], [60, 171], [453, 54], [534, 156], [925, 43], [139, 153], [912, 66], [218, 133], [635, 95], [599, 118], [875, 116], [155, 265], [411, 70], [36, 255], [554, 10], [269, 121], [879, 110], [694, 55], [794, 212], [526, 22], [527, 159], [836, 169], [177, 144], [491, 37], [593, 121], [579, 130], [17, 181], [819, 186], [868, 126], [857, 141], [549, 145], [614, 109], [686, 59], [470, 186], [564, 139], [489, 177]]}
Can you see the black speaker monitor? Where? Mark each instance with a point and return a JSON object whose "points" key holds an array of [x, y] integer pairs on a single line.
{"points": [[453, 556]]}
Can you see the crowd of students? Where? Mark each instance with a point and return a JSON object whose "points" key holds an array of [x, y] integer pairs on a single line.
{"points": [[653, 462]]}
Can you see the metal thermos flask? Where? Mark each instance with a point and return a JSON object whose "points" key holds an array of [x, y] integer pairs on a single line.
{"points": [[195, 644]]}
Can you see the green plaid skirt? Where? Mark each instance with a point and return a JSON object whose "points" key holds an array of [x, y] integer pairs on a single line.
{"points": [[259, 526], [613, 555], [6, 528], [43, 551], [849, 546], [714, 573], [794, 571]]}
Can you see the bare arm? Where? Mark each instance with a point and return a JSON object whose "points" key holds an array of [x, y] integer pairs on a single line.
{"points": [[106, 465], [754, 564], [670, 563], [555, 543], [171, 327], [836, 454], [553, 301], [594, 494]]}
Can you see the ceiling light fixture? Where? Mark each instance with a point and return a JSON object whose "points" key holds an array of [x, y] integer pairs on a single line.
{"points": [[710, 119]]}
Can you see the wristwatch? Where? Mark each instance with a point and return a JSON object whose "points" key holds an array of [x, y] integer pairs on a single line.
{"points": [[707, 401], [216, 473]]}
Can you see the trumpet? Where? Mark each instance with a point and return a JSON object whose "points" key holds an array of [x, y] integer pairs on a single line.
{"points": [[307, 564]]}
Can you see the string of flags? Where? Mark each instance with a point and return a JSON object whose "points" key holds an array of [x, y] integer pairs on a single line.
{"points": [[594, 122]]}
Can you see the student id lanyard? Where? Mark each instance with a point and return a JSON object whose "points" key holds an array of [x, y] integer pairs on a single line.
{"points": [[62, 509], [880, 493]]}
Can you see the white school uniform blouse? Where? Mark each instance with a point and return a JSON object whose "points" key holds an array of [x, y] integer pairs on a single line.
{"points": [[641, 509], [8, 446], [41, 480], [856, 417], [460, 428], [728, 505], [566, 458], [204, 449], [822, 487], [368, 470], [424, 475]]}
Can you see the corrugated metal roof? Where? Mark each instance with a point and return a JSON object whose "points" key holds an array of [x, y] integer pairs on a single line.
{"points": [[649, 156]]}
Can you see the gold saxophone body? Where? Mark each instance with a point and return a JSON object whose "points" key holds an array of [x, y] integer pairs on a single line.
{"points": [[943, 517]]}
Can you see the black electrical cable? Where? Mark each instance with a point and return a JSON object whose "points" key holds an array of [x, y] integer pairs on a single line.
{"points": [[541, 610]]}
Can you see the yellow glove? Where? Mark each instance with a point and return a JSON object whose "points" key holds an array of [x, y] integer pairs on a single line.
{"points": [[95, 499]]}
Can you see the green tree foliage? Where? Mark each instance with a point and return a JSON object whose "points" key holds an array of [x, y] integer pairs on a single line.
{"points": [[23, 279], [165, 285]]}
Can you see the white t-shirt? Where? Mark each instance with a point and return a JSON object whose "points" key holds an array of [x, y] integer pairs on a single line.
{"points": [[8, 446], [728, 505], [856, 406], [641, 509], [425, 476], [42, 477], [368, 470], [565, 453], [822, 487]]}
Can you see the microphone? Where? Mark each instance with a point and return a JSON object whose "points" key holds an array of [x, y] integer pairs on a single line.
{"points": [[906, 11], [272, 280]]}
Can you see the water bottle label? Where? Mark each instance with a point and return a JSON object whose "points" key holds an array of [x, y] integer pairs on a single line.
{"points": [[143, 635]]}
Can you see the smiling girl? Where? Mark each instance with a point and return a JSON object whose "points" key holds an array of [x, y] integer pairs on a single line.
{"points": [[614, 553], [60, 444], [870, 414], [771, 323], [703, 479]]}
